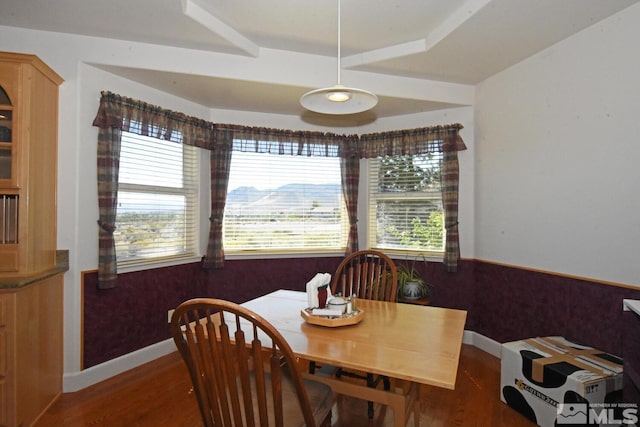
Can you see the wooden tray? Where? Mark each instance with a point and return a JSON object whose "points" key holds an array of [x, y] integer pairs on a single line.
{"points": [[332, 322]]}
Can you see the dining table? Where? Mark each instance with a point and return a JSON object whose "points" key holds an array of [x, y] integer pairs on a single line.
{"points": [[410, 344]]}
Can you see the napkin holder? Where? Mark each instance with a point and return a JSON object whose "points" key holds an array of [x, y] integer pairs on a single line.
{"points": [[331, 321], [318, 292]]}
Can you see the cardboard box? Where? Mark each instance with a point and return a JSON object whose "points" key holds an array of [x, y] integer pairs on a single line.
{"points": [[554, 382]]}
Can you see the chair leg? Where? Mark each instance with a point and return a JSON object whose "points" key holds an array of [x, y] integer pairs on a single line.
{"points": [[372, 384]]}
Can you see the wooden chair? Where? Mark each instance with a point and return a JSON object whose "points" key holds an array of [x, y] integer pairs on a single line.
{"points": [[367, 275], [247, 375], [370, 275]]}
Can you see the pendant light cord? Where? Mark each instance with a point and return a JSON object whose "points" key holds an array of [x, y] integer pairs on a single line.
{"points": [[338, 99], [338, 42]]}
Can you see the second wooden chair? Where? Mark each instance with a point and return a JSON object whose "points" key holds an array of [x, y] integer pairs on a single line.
{"points": [[366, 274], [372, 275]]}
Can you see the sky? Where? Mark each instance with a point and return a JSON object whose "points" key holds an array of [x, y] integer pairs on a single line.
{"points": [[254, 171]]}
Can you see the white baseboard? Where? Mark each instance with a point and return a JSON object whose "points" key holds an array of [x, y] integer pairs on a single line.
{"points": [[475, 339], [78, 380]]}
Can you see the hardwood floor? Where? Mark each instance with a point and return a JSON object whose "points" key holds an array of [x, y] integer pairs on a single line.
{"points": [[157, 394]]}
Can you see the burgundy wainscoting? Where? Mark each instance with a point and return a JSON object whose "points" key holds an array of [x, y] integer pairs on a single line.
{"points": [[449, 290], [242, 280], [631, 355], [134, 314], [512, 304], [503, 303]]}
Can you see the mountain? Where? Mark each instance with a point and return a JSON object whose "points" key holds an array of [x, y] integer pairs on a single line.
{"points": [[303, 196]]}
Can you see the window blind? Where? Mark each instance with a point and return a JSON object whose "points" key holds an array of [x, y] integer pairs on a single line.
{"points": [[157, 200], [280, 203], [405, 203]]}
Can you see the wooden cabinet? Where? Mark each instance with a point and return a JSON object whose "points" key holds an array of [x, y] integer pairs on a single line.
{"points": [[28, 162], [31, 268], [30, 350]]}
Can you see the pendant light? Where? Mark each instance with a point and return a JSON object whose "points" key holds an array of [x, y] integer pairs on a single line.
{"points": [[338, 99]]}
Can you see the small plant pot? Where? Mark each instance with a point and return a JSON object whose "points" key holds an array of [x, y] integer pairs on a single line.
{"points": [[412, 290]]}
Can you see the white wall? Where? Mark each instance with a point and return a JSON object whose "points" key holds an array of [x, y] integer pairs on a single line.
{"points": [[557, 157], [72, 56]]}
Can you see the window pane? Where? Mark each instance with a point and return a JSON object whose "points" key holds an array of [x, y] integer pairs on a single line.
{"points": [[284, 203], [149, 161], [405, 211], [157, 200], [409, 173], [151, 225], [416, 224]]}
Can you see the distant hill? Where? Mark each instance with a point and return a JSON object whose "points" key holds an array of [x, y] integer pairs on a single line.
{"points": [[323, 196]]}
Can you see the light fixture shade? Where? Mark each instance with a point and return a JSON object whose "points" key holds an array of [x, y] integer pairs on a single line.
{"points": [[338, 99], [348, 100]]}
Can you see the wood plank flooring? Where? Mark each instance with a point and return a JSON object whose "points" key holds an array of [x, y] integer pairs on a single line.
{"points": [[158, 394]]}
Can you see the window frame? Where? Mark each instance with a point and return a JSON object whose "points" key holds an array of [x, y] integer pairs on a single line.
{"points": [[292, 252], [192, 195], [368, 216]]}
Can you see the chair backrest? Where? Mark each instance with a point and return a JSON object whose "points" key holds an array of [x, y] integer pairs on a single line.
{"points": [[367, 275], [237, 377]]}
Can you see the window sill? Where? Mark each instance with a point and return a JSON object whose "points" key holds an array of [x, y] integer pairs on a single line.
{"points": [[150, 265], [395, 254], [279, 255]]}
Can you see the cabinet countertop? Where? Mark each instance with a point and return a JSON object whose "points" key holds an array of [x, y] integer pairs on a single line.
{"points": [[15, 282]]}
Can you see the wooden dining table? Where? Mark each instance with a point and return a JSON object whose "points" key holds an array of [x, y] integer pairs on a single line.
{"points": [[411, 344]]}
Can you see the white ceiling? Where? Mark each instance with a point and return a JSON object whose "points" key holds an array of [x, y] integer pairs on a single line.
{"points": [[454, 41]]}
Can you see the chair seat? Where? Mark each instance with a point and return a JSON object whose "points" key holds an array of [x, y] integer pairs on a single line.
{"points": [[320, 396]]}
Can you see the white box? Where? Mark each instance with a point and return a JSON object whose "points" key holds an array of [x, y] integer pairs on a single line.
{"points": [[554, 382]]}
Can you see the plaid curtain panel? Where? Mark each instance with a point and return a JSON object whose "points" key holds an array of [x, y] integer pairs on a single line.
{"points": [[220, 167], [350, 172], [108, 167]]}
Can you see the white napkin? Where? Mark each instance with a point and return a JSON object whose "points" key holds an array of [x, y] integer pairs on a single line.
{"points": [[326, 312], [320, 279]]}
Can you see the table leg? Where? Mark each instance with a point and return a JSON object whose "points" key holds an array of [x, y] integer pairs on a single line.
{"points": [[410, 402], [403, 400]]}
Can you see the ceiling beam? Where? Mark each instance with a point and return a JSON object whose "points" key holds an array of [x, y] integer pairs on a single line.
{"points": [[385, 53], [448, 26], [215, 25]]}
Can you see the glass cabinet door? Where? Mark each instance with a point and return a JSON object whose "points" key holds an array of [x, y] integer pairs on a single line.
{"points": [[6, 143], [5, 163]]}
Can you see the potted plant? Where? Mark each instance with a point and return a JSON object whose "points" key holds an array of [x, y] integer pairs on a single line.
{"points": [[411, 285]]}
